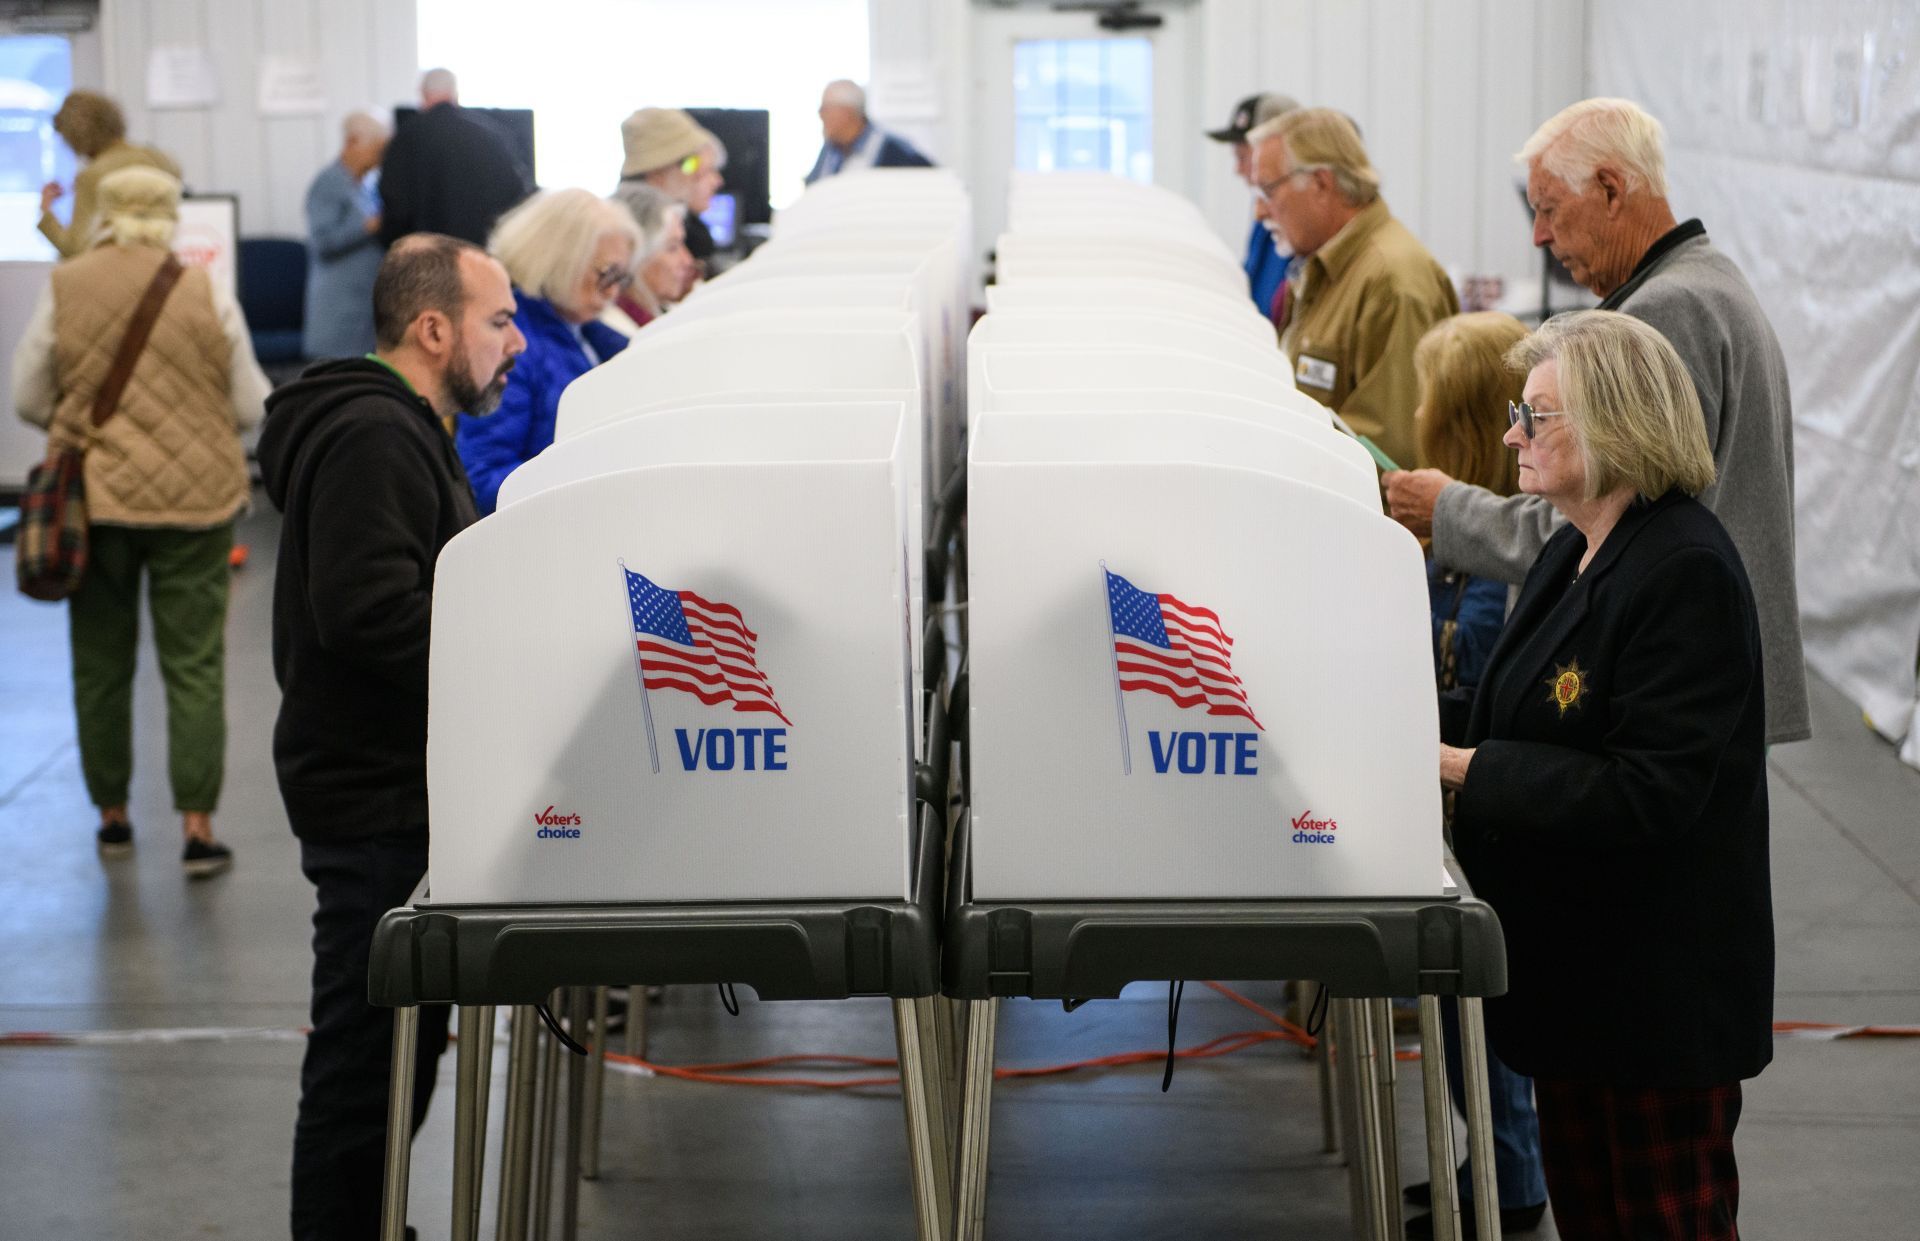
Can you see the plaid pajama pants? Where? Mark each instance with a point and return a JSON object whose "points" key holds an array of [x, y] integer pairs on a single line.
{"points": [[1627, 1163]]}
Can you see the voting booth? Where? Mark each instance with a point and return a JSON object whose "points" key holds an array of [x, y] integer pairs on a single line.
{"points": [[1165, 662], [1231, 314], [681, 681]]}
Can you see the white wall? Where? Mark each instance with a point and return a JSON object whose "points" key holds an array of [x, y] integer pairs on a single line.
{"points": [[365, 51], [1791, 134], [1444, 90]]}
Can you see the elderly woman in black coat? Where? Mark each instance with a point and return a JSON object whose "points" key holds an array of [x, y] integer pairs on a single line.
{"points": [[1612, 797]]}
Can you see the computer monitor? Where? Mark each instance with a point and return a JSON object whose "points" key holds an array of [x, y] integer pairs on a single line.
{"points": [[743, 131]]}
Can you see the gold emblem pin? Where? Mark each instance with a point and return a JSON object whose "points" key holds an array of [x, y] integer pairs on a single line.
{"points": [[1567, 684]]}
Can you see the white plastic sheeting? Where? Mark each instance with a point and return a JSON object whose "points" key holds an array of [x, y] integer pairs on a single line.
{"points": [[1791, 134]]}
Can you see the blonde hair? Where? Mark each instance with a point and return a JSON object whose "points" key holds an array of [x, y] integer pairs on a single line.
{"points": [[139, 206], [1465, 385], [547, 242], [1575, 141], [1319, 138], [1630, 400]]}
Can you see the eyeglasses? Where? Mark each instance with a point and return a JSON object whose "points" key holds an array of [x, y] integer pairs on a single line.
{"points": [[691, 164], [612, 277], [1524, 414], [1266, 188]]}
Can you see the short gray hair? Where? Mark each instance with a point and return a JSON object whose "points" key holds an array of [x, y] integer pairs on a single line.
{"points": [[363, 125], [439, 82], [1579, 138], [1628, 397], [546, 243], [653, 210], [846, 94]]}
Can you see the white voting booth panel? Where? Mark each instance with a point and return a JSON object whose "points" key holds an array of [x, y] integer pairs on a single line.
{"points": [[1011, 269], [1353, 463], [1209, 256], [1312, 775], [704, 362], [678, 683], [1127, 327], [1228, 314], [744, 430], [723, 296], [1040, 431], [1023, 367], [998, 368], [939, 297]]}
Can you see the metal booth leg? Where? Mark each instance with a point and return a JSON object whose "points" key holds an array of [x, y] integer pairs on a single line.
{"points": [[1343, 1051], [470, 1117], [1440, 1160], [1323, 1062], [543, 1138], [1388, 1067], [976, 1103], [576, 1097], [393, 1204], [1473, 1061], [596, 1087], [637, 1002], [1357, 1050], [483, 1099], [516, 1145], [926, 1144]]}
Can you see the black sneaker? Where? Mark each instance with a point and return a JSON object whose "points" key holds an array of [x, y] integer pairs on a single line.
{"points": [[115, 839], [1512, 1219], [205, 858]]}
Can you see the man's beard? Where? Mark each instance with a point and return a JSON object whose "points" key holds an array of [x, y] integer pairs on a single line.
{"points": [[469, 397]]}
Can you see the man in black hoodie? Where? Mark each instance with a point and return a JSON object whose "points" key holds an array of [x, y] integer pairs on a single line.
{"points": [[357, 453]]}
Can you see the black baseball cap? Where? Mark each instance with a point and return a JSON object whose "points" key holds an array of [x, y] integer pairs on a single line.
{"points": [[1249, 112]]}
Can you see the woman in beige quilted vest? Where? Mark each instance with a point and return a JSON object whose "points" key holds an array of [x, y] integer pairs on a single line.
{"points": [[165, 480]]}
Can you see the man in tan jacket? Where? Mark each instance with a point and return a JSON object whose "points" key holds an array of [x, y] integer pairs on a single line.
{"points": [[1362, 291]]}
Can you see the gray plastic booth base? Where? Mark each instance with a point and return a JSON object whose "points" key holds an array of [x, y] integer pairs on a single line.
{"points": [[507, 955], [1084, 950], [1359, 950]]}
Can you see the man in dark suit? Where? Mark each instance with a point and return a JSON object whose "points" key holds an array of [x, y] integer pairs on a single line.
{"points": [[448, 170]]}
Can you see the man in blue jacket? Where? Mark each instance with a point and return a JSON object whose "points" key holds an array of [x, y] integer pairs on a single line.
{"points": [[1266, 267], [853, 141]]}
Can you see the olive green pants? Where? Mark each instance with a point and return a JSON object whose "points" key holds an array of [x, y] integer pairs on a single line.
{"points": [[187, 585]]}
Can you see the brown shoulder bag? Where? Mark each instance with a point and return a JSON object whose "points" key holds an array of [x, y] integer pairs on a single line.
{"points": [[50, 546]]}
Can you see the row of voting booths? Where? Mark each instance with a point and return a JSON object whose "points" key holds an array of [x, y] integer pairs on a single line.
{"points": [[841, 645]]}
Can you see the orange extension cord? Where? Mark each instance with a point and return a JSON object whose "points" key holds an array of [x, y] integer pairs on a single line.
{"points": [[735, 1073], [730, 1074]]}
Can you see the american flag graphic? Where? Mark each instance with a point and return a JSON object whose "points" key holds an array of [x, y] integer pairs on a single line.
{"points": [[697, 646], [1165, 646]]}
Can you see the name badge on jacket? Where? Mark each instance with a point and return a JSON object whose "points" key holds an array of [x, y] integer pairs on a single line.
{"points": [[1315, 373]]}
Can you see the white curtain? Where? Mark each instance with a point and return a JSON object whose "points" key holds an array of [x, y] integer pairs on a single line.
{"points": [[1794, 133]]}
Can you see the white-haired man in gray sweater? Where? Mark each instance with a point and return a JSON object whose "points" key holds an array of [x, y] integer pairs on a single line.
{"points": [[1596, 178]]}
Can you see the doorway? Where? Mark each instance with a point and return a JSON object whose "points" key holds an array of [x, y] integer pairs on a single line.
{"points": [[1055, 91]]}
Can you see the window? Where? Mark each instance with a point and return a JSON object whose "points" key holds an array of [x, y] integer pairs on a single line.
{"points": [[583, 65], [1084, 105], [36, 72]]}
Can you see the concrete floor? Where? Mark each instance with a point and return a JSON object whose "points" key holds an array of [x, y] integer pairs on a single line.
{"points": [[191, 1139]]}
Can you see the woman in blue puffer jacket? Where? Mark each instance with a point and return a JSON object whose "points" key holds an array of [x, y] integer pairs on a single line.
{"points": [[570, 253]]}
